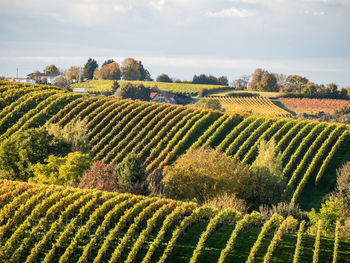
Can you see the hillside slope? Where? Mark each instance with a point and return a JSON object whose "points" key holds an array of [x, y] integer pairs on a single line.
{"points": [[159, 133], [41, 223]]}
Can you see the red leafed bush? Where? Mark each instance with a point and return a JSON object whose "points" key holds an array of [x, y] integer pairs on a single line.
{"points": [[100, 176]]}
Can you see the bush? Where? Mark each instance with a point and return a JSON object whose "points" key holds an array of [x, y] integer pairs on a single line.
{"points": [[228, 201], [61, 170], [100, 176], [203, 92], [343, 182], [163, 78], [74, 133], [202, 174], [283, 209], [332, 210], [208, 103], [19, 152], [131, 174]]}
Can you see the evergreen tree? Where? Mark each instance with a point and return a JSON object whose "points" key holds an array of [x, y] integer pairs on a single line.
{"points": [[89, 68]]}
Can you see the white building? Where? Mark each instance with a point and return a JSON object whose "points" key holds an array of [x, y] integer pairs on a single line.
{"points": [[49, 76], [30, 81]]}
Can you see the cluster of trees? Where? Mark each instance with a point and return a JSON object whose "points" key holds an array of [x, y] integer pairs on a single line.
{"points": [[299, 86], [130, 69], [260, 183], [209, 79], [56, 155]]}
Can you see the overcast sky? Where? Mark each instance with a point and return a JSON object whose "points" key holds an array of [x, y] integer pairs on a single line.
{"points": [[181, 37]]}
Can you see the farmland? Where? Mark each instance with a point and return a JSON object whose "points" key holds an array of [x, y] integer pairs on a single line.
{"points": [[159, 133], [62, 224], [251, 105], [97, 86], [313, 106]]}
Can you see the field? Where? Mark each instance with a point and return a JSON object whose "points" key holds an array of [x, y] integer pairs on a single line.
{"points": [[97, 86], [60, 224], [248, 93], [252, 105], [159, 133], [313, 106]]}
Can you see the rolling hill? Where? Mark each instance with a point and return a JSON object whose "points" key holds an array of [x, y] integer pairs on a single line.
{"points": [[41, 223]]}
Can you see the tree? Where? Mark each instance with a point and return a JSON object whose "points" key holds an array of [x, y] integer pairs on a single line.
{"points": [[241, 83], [332, 210], [60, 82], [163, 78], [130, 69], [147, 76], [100, 176], [26, 148], [134, 91], [295, 83], [110, 71], [74, 73], [343, 182], [131, 174], [222, 81], [203, 92], [144, 74], [115, 86], [89, 68], [61, 170], [74, 133], [52, 69], [262, 80], [202, 174], [310, 89], [332, 90], [208, 103], [204, 79], [97, 74], [108, 61]]}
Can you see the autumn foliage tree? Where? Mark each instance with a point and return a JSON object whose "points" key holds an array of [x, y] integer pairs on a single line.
{"points": [[130, 69], [100, 176], [73, 73], [262, 80], [110, 71]]}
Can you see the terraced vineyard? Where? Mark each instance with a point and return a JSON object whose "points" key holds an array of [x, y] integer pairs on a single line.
{"points": [[97, 86], [252, 105], [313, 106], [159, 133], [59, 224]]}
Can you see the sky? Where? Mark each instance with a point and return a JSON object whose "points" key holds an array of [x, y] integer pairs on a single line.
{"points": [[180, 37]]}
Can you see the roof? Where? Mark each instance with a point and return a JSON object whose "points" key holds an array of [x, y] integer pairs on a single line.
{"points": [[45, 74]]}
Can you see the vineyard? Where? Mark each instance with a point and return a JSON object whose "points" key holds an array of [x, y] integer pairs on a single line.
{"points": [[252, 105], [98, 86], [313, 106], [159, 133], [59, 224]]}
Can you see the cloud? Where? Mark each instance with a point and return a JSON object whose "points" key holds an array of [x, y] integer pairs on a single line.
{"points": [[318, 13], [120, 8], [157, 4], [231, 12], [315, 13]]}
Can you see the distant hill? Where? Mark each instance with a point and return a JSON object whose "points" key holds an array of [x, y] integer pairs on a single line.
{"points": [[96, 86]]}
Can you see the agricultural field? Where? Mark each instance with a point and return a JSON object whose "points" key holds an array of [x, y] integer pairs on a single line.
{"points": [[251, 105], [159, 133], [97, 86], [313, 106], [61, 224]]}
